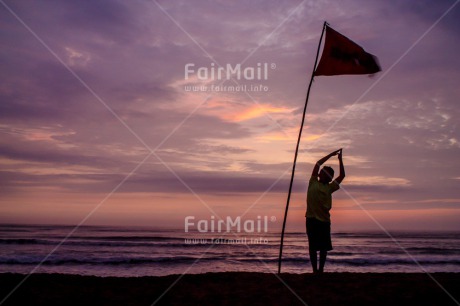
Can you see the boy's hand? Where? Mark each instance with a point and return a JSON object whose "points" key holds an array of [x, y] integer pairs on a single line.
{"points": [[336, 152]]}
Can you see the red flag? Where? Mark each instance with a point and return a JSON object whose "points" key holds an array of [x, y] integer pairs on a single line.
{"points": [[343, 56]]}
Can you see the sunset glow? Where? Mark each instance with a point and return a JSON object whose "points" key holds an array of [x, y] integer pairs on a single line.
{"points": [[98, 117]]}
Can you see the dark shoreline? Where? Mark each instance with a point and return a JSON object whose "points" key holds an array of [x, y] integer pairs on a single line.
{"points": [[234, 288]]}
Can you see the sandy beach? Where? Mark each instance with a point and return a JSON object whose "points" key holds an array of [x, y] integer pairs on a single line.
{"points": [[235, 288]]}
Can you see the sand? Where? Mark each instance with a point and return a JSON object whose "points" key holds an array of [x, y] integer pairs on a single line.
{"points": [[235, 288]]}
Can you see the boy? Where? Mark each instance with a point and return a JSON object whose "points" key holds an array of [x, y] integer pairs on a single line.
{"points": [[319, 202]]}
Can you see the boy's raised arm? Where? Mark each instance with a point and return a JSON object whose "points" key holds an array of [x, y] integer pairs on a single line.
{"points": [[341, 176]]}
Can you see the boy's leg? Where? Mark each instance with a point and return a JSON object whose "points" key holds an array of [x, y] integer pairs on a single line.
{"points": [[313, 260], [322, 260]]}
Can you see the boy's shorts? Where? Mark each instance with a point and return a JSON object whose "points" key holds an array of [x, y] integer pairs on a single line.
{"points": [[319, 234]]}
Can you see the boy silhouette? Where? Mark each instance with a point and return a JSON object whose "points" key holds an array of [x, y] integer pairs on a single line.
{"points": [[319, 203]]}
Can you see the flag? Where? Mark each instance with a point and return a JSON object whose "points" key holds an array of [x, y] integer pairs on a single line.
{"points": [[343, 56]]}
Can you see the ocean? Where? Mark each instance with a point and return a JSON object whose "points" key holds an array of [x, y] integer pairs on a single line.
{"points": [[130, 251]]}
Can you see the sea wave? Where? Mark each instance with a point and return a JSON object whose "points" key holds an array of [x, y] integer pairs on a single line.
{"points": [[35, 260]]}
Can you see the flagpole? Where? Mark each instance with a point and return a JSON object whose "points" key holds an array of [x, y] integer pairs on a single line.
{"points": [[297, 150]]}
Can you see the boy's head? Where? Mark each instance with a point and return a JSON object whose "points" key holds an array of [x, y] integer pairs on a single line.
{"points": [[326, 175]]}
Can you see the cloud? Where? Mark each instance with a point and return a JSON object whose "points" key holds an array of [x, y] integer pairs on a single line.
{"points": [[377, 180], [257, 111], [161, 181]]}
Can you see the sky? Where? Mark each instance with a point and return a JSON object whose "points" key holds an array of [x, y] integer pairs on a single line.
{"points": [[102, 122]]}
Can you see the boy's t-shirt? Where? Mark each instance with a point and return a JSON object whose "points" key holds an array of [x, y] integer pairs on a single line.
{"points": [[319, 199]]}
